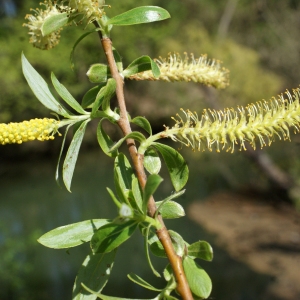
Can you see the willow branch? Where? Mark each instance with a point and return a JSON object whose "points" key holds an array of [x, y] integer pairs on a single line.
{"points": [[124, 124]]}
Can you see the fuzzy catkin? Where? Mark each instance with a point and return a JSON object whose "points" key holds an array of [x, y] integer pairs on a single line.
{"points": [[224, 129], [200, 70]]}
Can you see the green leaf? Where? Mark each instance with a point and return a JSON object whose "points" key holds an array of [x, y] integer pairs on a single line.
{"points": [[121, 191], [170, 210], [152, 161], [71, 235], [114, 198], [147, 252], [104, 96], [104, 297], [177, 167], [132, 135], [118, 59], [138, 280], [40, 88], [201, 249], [124, 170], [98, 73], [60, 153], [72, 154], [90, 95], [157, 248], [65, 95], [152, 184], [143, 123], [112, 235], [137, 193], [94, 272], [138, 15], [141, 64], [197, 278], [77, 42], [54, 23], [105, 141]]}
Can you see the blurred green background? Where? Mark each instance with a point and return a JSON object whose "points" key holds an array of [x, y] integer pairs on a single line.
{"points": [[256, 40]]}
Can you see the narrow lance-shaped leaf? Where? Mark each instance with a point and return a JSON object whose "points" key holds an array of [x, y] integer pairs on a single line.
{"points": [[72, 154], [138, 15], [54, 23], [94, 272], [176, 165], [60, 154], [65, 95], [40, 88], [71, 235]]}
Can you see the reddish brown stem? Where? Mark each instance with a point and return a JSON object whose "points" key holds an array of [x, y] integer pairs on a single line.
{"points": [[163, 235]]}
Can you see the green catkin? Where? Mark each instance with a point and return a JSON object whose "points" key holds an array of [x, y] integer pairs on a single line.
{"points": [[200, 70], [228, 128]]}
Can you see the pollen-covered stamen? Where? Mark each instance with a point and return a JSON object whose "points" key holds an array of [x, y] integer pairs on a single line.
{"points": [[262, 121], [201, 70], [35, 129], [91, 9]]}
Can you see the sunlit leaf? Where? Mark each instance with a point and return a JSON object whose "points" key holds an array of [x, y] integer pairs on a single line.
{"points": [[54, 23], [72, 154], [65, 95], [98, 73], [152, 161], [201, 249], [137, 193], [40, 88], [72, 235], [176, 165], [94, 272], [143, 123], [170, 210], [112, 235], [199, 281], [138, 15]]}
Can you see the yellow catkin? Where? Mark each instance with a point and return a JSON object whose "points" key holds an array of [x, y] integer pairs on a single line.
{"points": [[224, 129], [35, 129], [200, 70]]}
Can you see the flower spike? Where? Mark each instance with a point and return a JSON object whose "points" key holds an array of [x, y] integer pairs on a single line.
{"points": [[35, 129], [201, 70], [226, 128]]}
